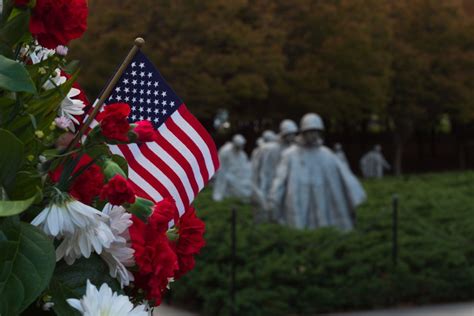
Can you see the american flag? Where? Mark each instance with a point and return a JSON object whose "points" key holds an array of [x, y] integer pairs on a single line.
{"points": [[183, 158]]}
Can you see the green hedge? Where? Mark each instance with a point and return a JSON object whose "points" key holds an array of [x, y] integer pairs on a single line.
{"points": [[284, 271]]}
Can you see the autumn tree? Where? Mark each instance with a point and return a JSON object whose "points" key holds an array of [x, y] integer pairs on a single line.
{"points": [[431, 67]]}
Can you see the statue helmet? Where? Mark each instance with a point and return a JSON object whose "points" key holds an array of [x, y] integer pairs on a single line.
{"points": [[238, 140], [311, 121], [288, 127], [268, 136]]}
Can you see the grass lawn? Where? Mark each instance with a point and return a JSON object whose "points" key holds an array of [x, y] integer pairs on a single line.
{"points": [[284, 271]]}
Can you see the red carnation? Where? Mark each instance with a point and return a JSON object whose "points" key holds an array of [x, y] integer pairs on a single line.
{"points": [[191, 239], [163, 212], [88, 184], [154, 256], [145, 131], [56, 22], [118, 191], [113, 121]]}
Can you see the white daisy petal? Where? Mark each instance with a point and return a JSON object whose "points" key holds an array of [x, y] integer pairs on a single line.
{"points": [[104, 302], [66, 217], [119, 254]]}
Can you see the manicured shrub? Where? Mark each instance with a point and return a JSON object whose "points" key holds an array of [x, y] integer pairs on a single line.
{"points": [[282, 271]]}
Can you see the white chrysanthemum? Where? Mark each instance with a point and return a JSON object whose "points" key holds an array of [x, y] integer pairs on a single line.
{"points": [[95, 237], [66, 217], [119, 255], [55, 80], [105, 303], [71, 107], [40, 53]]}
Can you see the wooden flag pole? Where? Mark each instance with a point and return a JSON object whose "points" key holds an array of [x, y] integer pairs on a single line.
{"points": [[138, 43]]}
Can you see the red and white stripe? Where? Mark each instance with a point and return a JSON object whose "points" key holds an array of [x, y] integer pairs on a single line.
{"points": [[179, 164]]}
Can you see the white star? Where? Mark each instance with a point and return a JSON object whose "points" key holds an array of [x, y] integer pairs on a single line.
{"points": [[127, 99], [125, 81], [148, 110], [148, 118], [142, 65], [148, 92], [141, 100], [134, 100], [134, 90], [134, 82], [117, 89], [141, 118], [156, 102], [142, 74], [148, 83], [134, 73], [164, 102], [156, 93], [142, 83], [163, 112], [134, 117], [134, 64], [172, 103], [163, 94], [126, 90], [134, 108], [156, 111], [148, 101], [150, 75], [156, 120], [118, 97], [141, 109], [156, 84], [142, 91]]}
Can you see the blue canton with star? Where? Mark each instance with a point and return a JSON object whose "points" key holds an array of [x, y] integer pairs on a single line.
{"points": [[144, 89]]}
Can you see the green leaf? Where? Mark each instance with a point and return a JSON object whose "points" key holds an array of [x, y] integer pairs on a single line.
{"points": [[11, 157], [14, 77], [69, 281], [72, 66], [15, 28], [9, 208], [44, 107], [27, 261], [28, 183]]}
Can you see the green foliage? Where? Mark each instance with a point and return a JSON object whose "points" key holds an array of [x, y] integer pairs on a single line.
{"points": [[11, 154], [14, 77], [10, 208], [27, 261], [15, 29], [69, 281], [281, 271]]}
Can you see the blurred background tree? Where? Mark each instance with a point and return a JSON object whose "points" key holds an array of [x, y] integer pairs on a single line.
{"points": [[408, 62]]}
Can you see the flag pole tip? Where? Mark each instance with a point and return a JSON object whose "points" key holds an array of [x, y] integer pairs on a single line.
{"points": [[139, 41]]}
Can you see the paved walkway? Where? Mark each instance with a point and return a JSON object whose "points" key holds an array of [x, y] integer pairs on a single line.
{"points": [[166, 310], [458, 309]]}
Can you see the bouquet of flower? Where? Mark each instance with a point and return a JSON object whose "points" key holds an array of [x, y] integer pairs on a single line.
{"points": [[75, 236]]}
